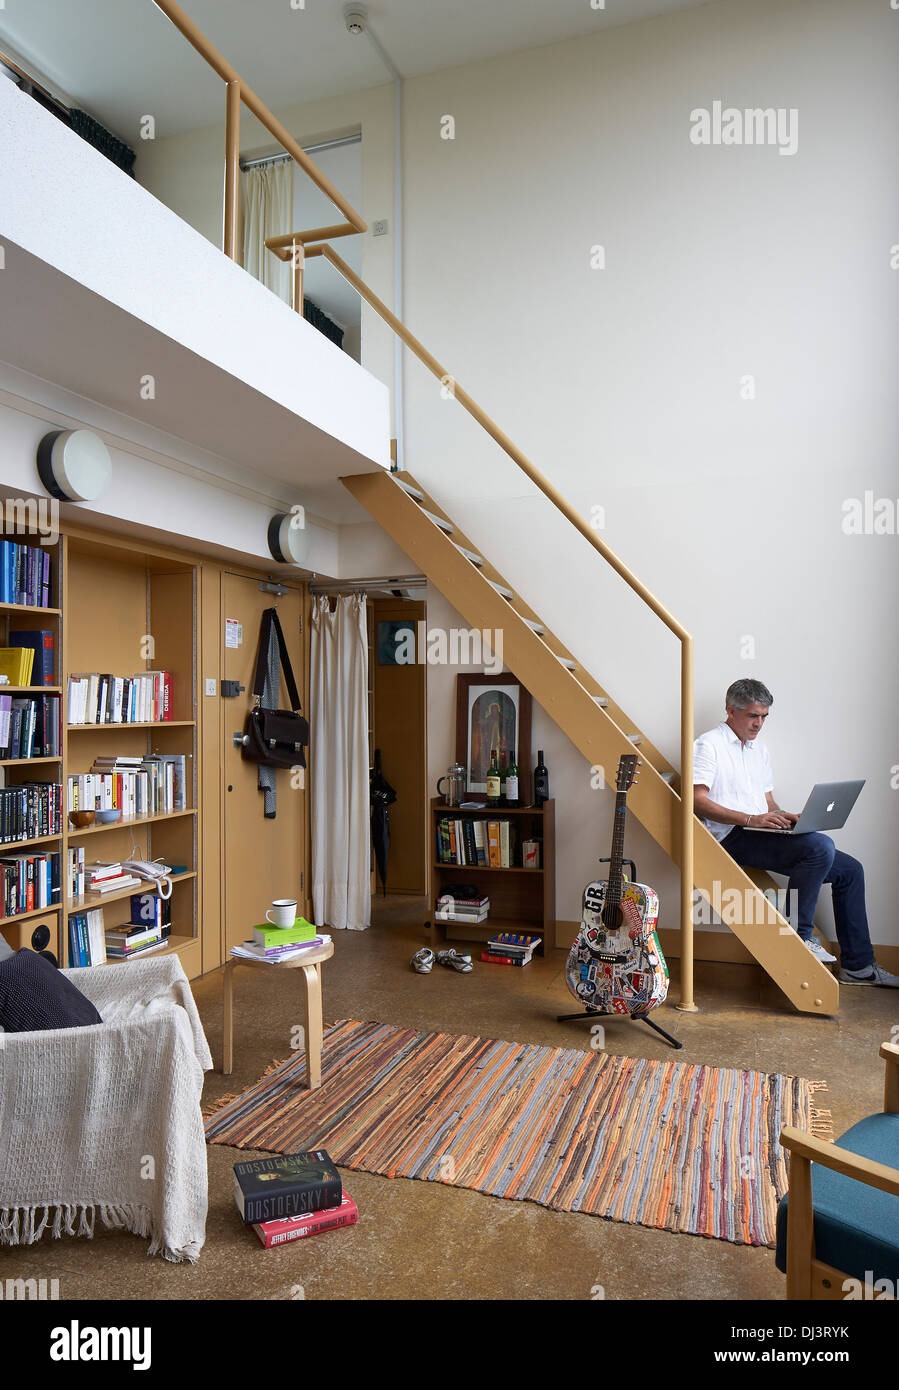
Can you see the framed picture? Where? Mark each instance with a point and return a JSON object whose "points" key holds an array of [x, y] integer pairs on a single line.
{"points": [[396, 643], [493, 712]]}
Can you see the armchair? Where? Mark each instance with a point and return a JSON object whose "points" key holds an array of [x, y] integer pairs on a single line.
{"points": [[106, 1119], [840, 1220]]}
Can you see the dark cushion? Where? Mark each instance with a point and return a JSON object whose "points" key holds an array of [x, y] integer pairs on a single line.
{"points": [[35, 995], [856, 1226]]}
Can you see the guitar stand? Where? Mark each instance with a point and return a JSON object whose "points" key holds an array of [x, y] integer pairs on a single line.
{"points": [[635, 1018]]}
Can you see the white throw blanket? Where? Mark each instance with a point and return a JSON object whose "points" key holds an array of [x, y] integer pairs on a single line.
{"points": [[107, 1119]]}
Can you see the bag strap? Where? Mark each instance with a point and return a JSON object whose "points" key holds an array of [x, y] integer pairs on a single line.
{"points": [[270, 618]]}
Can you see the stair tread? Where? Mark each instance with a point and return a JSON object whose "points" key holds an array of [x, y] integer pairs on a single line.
{"points": [[501, 589], [601, 700], [408, 487], [534, 626], [440, 521], [471, 555]]}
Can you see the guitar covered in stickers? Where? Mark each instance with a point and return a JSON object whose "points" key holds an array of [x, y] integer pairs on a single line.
{"points": [[616, 965]]}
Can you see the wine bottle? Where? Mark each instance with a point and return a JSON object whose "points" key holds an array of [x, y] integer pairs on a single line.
{"points": [[512, 782], [541, 780], [493, 780]]}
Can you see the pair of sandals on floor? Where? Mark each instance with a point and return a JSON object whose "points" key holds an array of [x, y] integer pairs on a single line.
{"points": [[424, 959]]}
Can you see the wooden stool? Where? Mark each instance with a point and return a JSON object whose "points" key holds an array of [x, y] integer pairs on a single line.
{"points": [[309, 963]]}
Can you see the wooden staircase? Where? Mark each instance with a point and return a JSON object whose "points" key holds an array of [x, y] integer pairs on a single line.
{"points": [[586, 712]]}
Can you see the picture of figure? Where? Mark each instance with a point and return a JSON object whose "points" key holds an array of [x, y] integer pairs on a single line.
{"points": [[492, 725]]}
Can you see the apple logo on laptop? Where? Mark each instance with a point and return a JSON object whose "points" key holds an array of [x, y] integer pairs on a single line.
{"points": [[831, 806]]}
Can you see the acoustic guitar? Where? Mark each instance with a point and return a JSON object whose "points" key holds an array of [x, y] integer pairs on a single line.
{"points": [[616, 965]]}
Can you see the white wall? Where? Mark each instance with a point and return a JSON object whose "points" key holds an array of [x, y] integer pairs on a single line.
{"points": [[624, 384]]}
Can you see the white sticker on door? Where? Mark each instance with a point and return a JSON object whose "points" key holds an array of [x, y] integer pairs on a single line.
{"points": [[233, 632]]}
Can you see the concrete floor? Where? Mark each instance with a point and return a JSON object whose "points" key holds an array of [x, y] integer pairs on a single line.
{"points": [[418, 1240]]}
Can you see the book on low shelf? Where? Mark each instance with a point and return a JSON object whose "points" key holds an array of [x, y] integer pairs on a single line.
{"points": [[476, 843], [133, 939], [289, 1228], [87, 943], [270, 1189], [29, 881]]}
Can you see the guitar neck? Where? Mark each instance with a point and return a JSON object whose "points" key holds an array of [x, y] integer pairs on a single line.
{"points": [[613, 894]]}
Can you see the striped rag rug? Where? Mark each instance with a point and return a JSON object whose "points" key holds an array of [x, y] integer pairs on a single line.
{"points": [[663, 1144]]}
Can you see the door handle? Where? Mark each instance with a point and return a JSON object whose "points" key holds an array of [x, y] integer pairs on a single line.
{"points": [[240, 738]]}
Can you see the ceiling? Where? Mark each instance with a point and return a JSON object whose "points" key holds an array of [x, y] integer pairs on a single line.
{"points": [[122, 59]]}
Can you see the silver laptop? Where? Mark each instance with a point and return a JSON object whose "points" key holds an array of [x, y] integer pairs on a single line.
{"points": [[827, 808]]}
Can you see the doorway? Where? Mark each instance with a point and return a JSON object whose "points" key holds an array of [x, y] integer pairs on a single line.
{"points": [[398, 729]]}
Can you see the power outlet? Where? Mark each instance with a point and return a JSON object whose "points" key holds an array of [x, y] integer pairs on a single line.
{"points": [[380, 228], [210, 685]]}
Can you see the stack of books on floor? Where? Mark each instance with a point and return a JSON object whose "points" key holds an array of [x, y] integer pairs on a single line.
{"points": [[462, 904], [289, 1196], [510, 948], [277, 944], [86, 943]]}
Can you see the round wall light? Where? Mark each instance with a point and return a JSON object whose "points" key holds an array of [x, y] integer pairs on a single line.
{"points": [[288, 538], [74, 465]]}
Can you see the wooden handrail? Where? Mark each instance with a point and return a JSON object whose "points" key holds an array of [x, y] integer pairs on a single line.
{"points": [[282, 247], [198, 40]]}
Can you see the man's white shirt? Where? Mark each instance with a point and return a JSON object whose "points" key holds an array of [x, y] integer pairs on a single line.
{"points": [[738, 775]]}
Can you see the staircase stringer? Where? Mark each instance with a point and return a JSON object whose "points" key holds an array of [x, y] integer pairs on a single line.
{"points": [[766, 935]]}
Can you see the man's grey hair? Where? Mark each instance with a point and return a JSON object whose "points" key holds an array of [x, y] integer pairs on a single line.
{"points": [[747, 692]]}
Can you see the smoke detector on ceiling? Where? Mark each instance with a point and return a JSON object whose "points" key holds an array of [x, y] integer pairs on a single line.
{"points": [[356, 19]]}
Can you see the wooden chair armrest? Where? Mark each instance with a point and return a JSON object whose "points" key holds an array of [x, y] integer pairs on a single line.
{"points": [[840, 1160], [890, 1052]]}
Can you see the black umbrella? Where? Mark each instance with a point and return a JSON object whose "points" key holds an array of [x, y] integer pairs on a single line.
{"points": [[381, 795]]}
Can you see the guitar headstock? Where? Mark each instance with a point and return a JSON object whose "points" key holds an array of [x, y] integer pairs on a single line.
{"points": [[628, 771]]}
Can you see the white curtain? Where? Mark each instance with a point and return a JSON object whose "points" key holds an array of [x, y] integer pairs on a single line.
{"points": [[267, 211], [338, 739]]}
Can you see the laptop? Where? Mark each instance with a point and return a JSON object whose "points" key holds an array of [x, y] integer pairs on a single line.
{"points": [[827, 808]]}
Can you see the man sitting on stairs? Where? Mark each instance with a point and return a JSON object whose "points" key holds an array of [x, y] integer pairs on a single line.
{"points": [[733, 788]]}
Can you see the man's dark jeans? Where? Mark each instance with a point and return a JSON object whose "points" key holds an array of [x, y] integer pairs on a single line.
{"points": [[808, 861]]}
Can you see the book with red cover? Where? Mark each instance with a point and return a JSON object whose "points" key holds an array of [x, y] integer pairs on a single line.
{"points": [[273, 1233], [502, 960]]}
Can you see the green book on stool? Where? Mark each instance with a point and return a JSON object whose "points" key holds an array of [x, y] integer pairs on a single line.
{"points": [[266, 935]]}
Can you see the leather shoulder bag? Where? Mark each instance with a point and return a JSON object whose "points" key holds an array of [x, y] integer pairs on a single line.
{"points": [[275, 737]]}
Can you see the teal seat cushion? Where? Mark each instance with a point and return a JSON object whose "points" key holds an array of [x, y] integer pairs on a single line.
{"points": [[856, 1226]]}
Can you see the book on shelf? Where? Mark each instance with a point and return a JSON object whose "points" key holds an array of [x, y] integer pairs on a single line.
{"points": [[118, 884], [149, 786], [24, 574], [270, 1189], [29, 811], [87, 943], [43, 644], [273, 1233], [75, 872], [29, 881], [477, 843], [149, 909], [16, 663], [129, 940], [97, 697], [29, 727]]}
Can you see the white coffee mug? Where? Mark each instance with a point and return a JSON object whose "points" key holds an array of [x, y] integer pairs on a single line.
{"points": [[282, 913]]}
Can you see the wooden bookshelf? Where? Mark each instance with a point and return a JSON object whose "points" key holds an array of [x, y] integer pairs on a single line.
{"points": [[521, 900], [117, 608]]}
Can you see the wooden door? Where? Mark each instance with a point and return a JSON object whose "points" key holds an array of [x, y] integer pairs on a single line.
{"points": [[400, 734], [262, 859]]}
